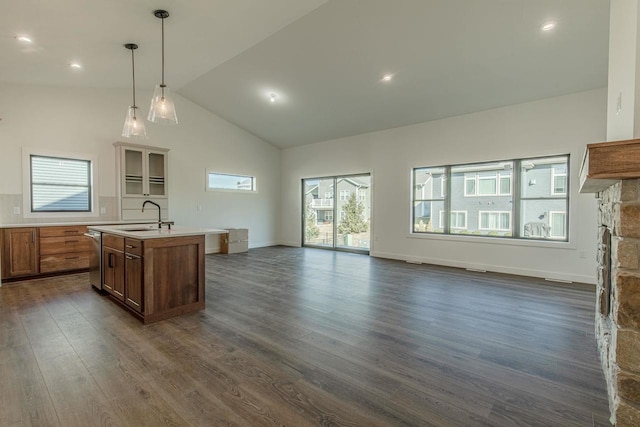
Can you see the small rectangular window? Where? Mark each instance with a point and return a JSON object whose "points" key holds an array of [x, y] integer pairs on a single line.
{"points": [[60, 185], [344, 194], [223, 181]]}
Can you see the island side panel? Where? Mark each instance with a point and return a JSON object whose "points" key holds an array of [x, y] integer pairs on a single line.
{"points": [[176, 275]]}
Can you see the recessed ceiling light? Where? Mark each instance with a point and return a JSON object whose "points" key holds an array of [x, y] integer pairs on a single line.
{"points": [[75, 65], [272, 97], [23, 39], [387, 77], [549, 25]]}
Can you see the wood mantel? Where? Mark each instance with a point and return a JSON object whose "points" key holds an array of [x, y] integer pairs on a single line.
{"points": [[606, 163]]}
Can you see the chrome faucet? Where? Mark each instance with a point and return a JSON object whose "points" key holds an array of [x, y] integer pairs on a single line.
{"points": [[159, 211]]}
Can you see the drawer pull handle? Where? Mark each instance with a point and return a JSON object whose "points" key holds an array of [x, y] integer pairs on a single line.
{"points": [[130, 247], [133, 302], [129, 257], [72, 257], [119, 293], [71, 241]]}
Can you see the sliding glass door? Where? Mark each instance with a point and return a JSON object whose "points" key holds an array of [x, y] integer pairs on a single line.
{"points": [[337, 212]]}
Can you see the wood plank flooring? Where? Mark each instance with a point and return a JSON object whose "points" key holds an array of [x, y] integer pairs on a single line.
{"points": [[304, 337]]}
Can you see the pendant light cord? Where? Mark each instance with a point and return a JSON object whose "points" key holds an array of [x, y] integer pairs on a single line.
{"points": [[163, 53], [133, 72]]}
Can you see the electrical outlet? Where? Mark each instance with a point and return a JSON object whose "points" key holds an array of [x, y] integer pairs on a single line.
{"points": [[16, 210]]}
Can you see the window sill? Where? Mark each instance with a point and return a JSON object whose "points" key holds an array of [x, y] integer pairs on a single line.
{"points": [[496, 241]]}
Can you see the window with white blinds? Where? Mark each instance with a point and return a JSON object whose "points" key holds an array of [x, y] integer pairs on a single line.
{"points": [[60, 184]]}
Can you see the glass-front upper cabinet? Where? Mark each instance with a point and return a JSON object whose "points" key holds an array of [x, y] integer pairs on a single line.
{"points": [[143, 171]]}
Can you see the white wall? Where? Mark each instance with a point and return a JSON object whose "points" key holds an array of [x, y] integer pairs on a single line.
{"points": [[551, 126], [90, 121], [623, 119]]}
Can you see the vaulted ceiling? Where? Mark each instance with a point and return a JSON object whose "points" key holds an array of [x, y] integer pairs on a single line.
{"points": [[322, 62]]}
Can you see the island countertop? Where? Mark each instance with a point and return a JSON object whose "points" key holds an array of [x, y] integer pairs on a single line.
{"points": [[151, 231]]}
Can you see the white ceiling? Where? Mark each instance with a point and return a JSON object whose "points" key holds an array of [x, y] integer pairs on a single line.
{"points": [[200, 35], [323, 58]]}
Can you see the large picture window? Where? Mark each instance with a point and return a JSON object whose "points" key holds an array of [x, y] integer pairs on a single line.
{"points": [[521, 198]]}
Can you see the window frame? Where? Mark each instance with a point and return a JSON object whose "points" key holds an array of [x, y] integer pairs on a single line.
{"points": [[344, 195], [515, 173], [496, 213], [564, 221], [441, 219], [254, 182], [554, 175], [27, 196], [476, 178]]}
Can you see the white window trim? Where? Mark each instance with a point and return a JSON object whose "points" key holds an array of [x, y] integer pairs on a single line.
{"points": [[493, 212], [564, 215], [344, 195], [442, 181], [27, 152], [328, 194], [328, 216], [553, 182], [229, 190]]}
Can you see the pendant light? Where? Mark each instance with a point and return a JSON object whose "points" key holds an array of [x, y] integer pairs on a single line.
{"points": [[133, 128], [162, 108]]}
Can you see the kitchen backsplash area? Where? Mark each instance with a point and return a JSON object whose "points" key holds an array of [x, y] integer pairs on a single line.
{"points": [[8, 202]]}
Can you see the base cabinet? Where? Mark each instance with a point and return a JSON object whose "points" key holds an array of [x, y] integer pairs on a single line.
{"points": [[133, 281], [155, 278], [19, 252], [113, 276]]}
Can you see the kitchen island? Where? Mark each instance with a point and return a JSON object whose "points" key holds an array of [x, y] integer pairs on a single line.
{"points": [[155, 273]]}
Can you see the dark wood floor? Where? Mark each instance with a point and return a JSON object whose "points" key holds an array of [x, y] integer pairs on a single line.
{"points": [[307, 337]]}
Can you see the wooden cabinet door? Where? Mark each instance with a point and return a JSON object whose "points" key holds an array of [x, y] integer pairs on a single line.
{"points": [[133, 282], [19, 252], [113, 268]]}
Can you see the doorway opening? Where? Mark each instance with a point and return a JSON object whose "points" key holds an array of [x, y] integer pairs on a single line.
{"points": [[336, 212]]}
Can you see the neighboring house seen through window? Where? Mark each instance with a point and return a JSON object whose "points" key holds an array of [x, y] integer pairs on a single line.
{"points": [[521, 198]]}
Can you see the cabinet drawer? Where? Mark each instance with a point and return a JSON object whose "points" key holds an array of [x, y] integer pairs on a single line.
{"points": [[63, 245], [64, 262], [113, 242], [67, 230], [133, 246]]}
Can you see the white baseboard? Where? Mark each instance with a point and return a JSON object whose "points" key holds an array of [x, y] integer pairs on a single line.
{"points": [[543, 274], [292, 244]]}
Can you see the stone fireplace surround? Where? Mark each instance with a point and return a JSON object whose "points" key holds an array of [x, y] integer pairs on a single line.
{"points": [[612, 171]]}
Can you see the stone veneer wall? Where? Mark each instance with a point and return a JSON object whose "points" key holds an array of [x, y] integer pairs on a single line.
{"points": [[618, 334]]}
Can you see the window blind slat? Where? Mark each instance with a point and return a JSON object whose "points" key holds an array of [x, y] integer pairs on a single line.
{"points": [[60, 184]]}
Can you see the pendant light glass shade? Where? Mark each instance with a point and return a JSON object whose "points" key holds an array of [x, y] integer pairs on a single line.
{"points": [[133, 128], [162, 109]]}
